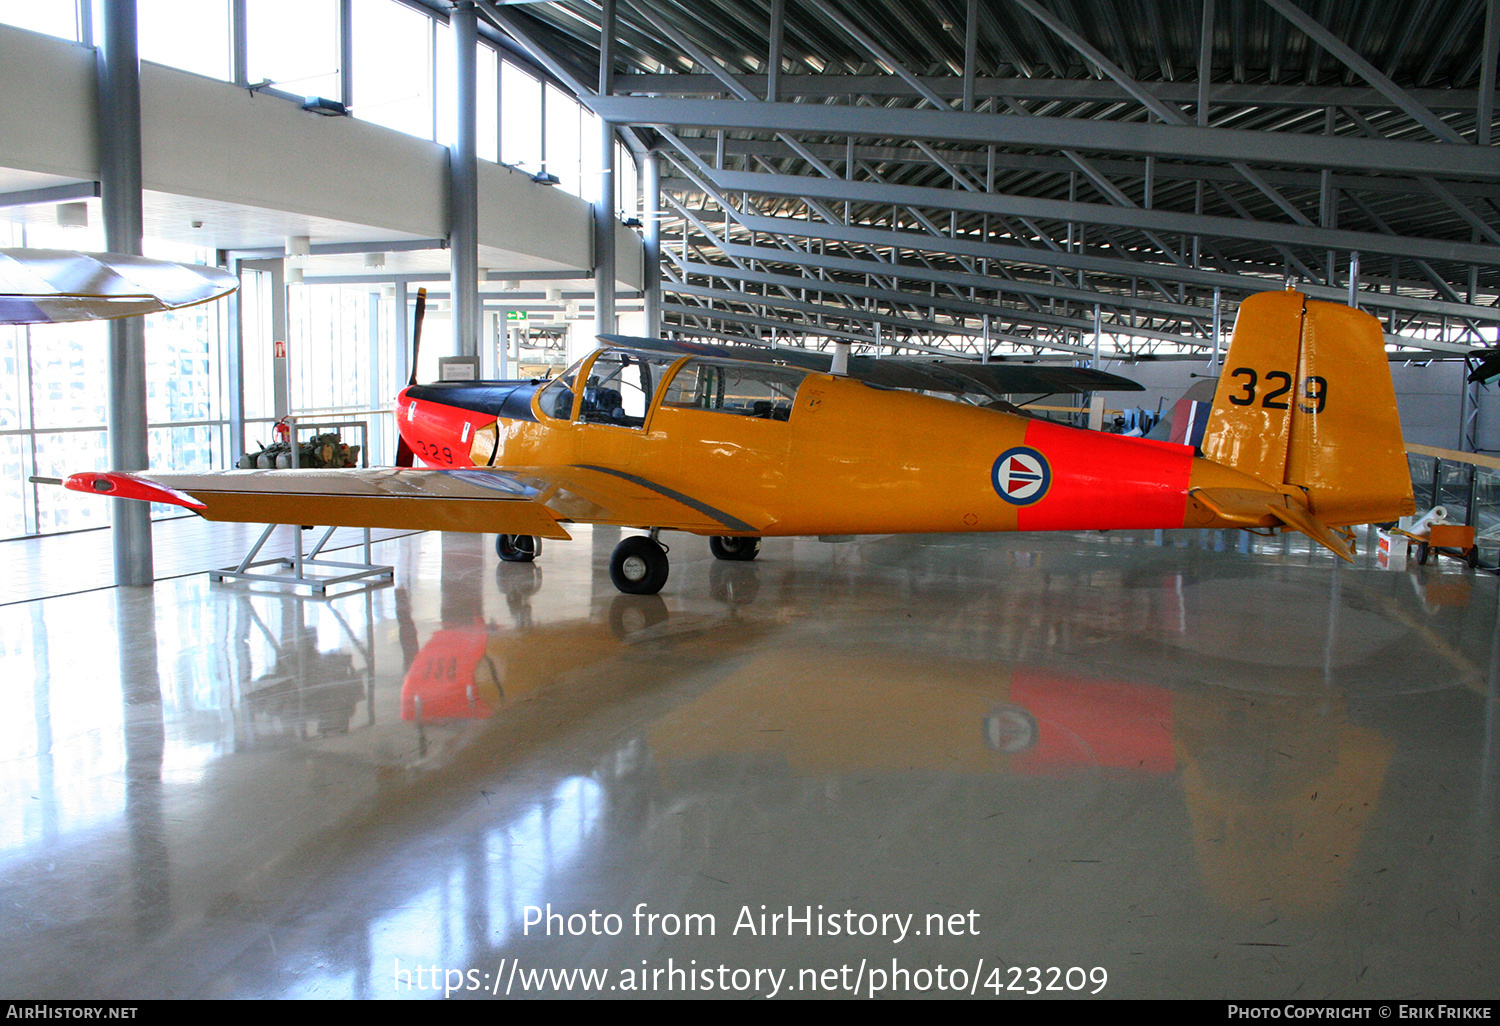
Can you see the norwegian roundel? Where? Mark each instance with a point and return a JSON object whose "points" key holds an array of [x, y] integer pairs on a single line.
{"points": [[1021, 476]]}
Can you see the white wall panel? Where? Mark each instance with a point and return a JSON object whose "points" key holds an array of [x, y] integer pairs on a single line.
{"points": [[211, 140], [46, 121]]}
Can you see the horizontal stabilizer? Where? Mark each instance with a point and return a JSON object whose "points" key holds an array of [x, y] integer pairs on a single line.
{"points": [[1249, 508], [1243, 506], [1301, 520]]}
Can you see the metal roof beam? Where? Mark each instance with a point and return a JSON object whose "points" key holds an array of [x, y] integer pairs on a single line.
{"points": [[1167, 113], [1364, 69], [707, 60], [1043, 163], [1062, 348], [1096, 213], [1045, 90], [889, 238], [1187, 141], [819, 309], [944, 276], [955, 306]]}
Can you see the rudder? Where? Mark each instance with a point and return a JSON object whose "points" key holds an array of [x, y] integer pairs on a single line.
{"points": [[1306, 400]]}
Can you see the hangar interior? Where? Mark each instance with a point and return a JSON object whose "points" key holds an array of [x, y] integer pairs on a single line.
{"points": [[1129, 763]]}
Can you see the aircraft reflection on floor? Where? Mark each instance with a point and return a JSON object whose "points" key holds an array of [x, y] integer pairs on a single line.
{"points": [[817, 710], [1064, 733], [306, 689]]}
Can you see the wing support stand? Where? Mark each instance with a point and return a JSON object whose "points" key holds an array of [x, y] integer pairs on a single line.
{"points": [[299, 565]]}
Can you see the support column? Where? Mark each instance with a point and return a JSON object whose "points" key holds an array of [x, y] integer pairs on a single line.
{"points": [[463, 186], [346, 53], [402, 306], [651, 280], [235, 369], [604, 205], [117, 66]]}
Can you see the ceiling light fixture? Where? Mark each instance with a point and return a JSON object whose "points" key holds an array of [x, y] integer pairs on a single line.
{"points": [[73, 215]]}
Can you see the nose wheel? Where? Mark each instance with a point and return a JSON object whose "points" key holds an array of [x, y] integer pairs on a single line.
{"points": [[639, 566]]}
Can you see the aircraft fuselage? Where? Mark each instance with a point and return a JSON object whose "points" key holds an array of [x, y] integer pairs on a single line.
{"points": [[841, 457]]}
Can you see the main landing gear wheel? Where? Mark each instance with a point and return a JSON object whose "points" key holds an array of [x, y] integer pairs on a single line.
{"points": [[734, 548], [518, 548], [639, 566]]}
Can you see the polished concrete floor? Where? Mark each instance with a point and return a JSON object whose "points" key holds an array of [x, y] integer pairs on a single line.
{"points": [[1150, 766]]}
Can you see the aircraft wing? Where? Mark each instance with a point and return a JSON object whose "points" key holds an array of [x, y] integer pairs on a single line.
{"points": [[992, 379], [45, 286], [474, 500]]}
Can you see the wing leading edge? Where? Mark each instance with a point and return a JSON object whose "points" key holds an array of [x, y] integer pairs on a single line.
{"points": [[474, 499]]}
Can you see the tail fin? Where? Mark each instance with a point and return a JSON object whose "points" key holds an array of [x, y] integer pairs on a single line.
{"points": [[1306, 401]]}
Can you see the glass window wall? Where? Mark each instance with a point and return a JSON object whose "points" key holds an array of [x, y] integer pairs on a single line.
{"points": [[393, 74], [487, 137], [294, 44], [520, 119], [563, 142], [56, 18], [53, 383], [194, 39]]}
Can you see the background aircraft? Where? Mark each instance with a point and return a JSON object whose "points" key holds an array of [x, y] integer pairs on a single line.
{"points": [[46, 286], [658, 435]]}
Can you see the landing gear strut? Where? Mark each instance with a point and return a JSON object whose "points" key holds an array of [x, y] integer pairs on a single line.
{"points": [[518, 548], [639, 565], [734, 548]]}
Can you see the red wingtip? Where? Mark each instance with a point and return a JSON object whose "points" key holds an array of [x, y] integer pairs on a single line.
{"points": [[127, 486]]}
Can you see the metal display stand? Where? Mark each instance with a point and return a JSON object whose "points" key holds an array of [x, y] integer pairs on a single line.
{"points": [[300, 564]]}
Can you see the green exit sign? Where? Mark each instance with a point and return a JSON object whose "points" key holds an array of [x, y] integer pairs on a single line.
{"points": [[516, 315]]}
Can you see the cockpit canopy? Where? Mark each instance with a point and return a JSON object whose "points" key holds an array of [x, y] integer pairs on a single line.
{"points": [[620, 386]]}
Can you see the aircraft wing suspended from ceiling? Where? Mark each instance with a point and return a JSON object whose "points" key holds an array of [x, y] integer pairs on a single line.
{"points": [[46, 286], [992, 379]]}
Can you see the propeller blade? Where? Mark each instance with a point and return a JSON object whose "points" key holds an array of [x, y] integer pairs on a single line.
{"points": [[416, 333], [404, 456]]}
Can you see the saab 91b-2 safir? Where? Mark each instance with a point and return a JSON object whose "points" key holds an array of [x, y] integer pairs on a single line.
{"points": [[739, 444]]}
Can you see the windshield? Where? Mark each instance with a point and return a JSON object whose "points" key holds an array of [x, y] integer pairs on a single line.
{"points": [[556, 398], [620, 387]]}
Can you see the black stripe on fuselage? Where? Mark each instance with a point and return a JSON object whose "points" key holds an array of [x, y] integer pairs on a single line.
{"points": [[508, 399], [733, 523]]}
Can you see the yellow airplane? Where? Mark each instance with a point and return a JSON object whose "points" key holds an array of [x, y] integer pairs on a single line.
{"points": [[1303, 434]]}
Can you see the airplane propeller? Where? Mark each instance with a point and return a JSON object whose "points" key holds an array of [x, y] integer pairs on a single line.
{"points": [[404, 456]]}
